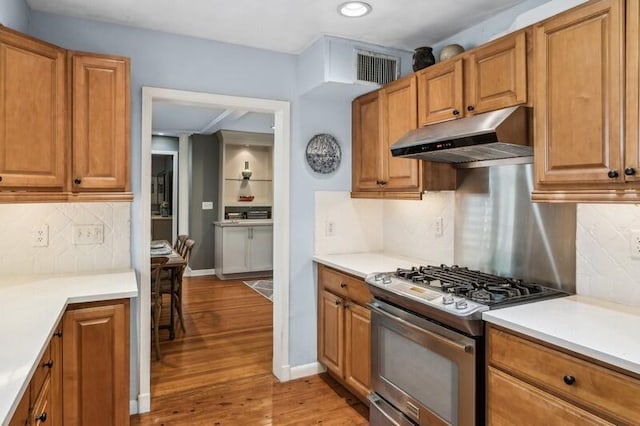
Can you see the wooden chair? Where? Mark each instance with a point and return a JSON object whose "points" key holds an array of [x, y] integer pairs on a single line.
{"points": [[175, 290], [178, 246], [157, 265]]}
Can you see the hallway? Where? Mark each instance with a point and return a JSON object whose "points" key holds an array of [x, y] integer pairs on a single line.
{"points": [[219, 372]]}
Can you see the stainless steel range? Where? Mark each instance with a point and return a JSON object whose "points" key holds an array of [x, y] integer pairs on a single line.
{"points": [[428, 349]]}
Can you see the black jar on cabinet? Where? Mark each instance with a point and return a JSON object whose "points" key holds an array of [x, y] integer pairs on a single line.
{"points": [[423, 57]]}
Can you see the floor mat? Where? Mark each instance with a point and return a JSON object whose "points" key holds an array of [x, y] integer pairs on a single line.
{"points": [[264, 287]]}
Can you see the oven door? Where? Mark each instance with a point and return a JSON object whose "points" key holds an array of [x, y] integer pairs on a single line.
{"points": [[426, 371]]}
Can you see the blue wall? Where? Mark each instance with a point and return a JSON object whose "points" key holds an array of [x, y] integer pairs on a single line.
{"points": [[15, 14], [165, 60]]}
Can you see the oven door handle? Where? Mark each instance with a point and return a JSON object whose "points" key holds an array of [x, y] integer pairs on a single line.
{"points": [[459, 346]]}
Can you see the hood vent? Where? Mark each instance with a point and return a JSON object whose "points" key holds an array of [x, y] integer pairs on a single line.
{"points": [[495, 135], [376, 67]]}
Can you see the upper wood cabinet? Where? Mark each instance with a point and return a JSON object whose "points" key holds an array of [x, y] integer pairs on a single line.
{"points": [[100, 125], [64, 123], [580, 148], [32, 113], [440, 92], [487, 78], [379, 120]]}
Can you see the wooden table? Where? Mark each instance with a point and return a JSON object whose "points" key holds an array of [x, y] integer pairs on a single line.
{"points": [[174, 264]]}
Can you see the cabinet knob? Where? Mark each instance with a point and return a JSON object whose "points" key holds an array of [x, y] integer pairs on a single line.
{"points": [[383, 182], [471, 108], [456, 112], [612, 174], [77, 181], [58, 334], [48, 364], [346, 305], [338, 301], [629, 171], [569, 380], [0, 178], [343, 285], [42, 417]]}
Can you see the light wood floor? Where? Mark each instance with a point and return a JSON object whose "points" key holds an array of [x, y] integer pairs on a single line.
{"points": [[219, 372]]}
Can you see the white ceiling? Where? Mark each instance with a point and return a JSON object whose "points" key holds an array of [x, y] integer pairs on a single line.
{"points": [[172, 119], [288, 25]]}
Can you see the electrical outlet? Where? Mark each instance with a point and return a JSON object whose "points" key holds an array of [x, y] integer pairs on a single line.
{"points": [[40, 236], [330, 228], [634, 247], [437, 226], [87, 234]]}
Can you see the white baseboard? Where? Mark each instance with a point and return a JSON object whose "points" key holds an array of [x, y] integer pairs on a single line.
{"points": [[198, 272], [305, 370], [144, 403]]}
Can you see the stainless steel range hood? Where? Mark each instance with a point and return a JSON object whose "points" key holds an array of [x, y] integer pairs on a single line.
{"points": [[495, 135]]}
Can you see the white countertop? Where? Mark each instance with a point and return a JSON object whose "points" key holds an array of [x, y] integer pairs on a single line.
{"points": [[31, 307], [244, 222], [604, 331], [362, 264]]}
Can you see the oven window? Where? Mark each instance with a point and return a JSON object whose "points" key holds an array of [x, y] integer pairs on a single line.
{"points": [[425, 375]]}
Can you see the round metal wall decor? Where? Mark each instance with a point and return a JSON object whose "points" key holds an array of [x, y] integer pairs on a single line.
{"points": [[323, 153]]}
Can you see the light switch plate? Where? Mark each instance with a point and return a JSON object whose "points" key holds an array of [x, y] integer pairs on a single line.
{"points": [[88, 234], [207, 205]]}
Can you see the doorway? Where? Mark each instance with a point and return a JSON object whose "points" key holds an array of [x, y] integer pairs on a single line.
{"points": [[281, 157], [164, 194]]}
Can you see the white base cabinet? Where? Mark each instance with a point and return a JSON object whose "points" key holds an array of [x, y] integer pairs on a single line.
{"points": [[243, 249]]}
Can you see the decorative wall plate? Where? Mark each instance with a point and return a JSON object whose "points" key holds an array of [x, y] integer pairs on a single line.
{"points": [[323, 153]]}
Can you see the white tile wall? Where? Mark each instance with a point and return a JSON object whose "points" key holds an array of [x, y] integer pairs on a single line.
{"points": [[19, 257], [409, 230], [357, 224], [400, 227], [604, 267]]}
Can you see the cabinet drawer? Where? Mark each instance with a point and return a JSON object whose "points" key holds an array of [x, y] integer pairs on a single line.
{"points": [[344, 285], [511, 401], [21, 415], [592, 386], [42, 407], [41, 372]]}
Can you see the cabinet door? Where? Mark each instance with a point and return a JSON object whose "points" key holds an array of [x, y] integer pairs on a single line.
{"points": [[578, 86], [261, 243], [235, 249], [41, 411], [96, 365], [55, 412], [511, 401], [440, 95], [358, 348], [366, 143], [32, 113], [331, 332], [632, 140], [399, 105], [100, 123], [498, 75]]}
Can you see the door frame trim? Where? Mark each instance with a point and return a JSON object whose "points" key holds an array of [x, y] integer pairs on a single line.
{"points": [[281, 223]]}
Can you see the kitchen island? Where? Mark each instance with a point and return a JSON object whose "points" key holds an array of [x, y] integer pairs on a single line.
{"points": [[32, 307]]}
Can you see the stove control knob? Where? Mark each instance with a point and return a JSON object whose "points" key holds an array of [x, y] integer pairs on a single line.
{"points": [[447, 299], [462, 304], [386, 279], [377, 277]]}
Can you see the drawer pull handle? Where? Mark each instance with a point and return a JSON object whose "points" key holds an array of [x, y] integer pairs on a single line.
{"points": [[48, 364], [343, 285], [42, 417], [338, 301], [569, 380]]}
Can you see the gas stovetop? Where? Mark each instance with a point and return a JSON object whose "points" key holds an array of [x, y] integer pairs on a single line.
{"points": [[454, 295]]}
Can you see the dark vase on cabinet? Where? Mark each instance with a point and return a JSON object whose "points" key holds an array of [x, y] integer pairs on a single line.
{"points": [[423, 57]]}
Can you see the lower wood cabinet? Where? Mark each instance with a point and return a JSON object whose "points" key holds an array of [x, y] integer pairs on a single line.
{"points": [[538, 384], [83, 376], [95, 380], [344, 329]]}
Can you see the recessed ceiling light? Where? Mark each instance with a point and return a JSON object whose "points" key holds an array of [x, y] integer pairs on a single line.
{"points": [[354, 9]]}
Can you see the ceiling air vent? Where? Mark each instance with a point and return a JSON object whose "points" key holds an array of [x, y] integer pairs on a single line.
{"points": [[376, 68]]}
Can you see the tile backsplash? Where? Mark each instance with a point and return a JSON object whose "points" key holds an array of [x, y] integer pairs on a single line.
{"points": [[18, 256], [400, 227], [604, 267]]}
